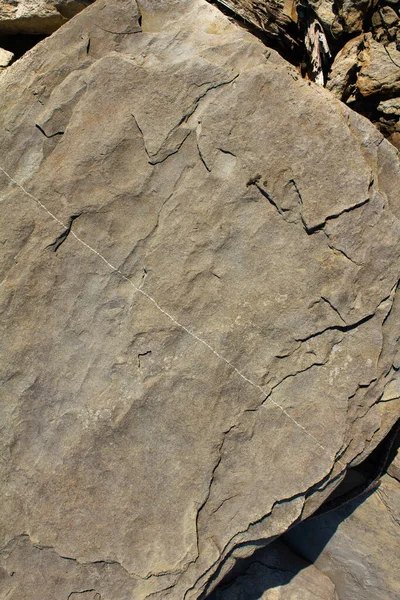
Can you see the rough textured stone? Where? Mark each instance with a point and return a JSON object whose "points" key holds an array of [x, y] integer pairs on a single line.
{"points": [[276, 573], [37, 16], [366, 74], [342, 79], [394, 468], [358, 545], [365, 67], [379, 70], [5, 58], [203, 385]]}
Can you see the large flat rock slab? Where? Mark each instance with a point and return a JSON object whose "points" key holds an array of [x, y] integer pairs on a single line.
{"points": [[198, 300]]}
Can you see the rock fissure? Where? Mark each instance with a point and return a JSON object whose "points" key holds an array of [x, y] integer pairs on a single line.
{"points": [[46, 135], [344, 328], [320, 226], [60, 239]]}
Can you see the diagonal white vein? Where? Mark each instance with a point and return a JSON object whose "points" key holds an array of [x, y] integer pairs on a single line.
{"points": [[200, 340]]}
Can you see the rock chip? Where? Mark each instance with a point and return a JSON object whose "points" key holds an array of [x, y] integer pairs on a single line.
{"points": [[394, 468], [199, 301], [6, 58]]}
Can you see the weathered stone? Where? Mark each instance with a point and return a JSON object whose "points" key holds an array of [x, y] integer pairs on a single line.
{"points": [[6, 58], [37, 16], [276, 573], [352, 14], [390, 107], [343, 74], [379, 70], [209, 346], [394, 468], [365, 67], [358, 545], [325, 11], [389, 16]]}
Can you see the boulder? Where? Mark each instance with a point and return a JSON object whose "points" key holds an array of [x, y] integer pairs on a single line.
{"points": [[364, 67], [37, 16], [199, 301], [366, 75], [342, 80], [379, 69]]}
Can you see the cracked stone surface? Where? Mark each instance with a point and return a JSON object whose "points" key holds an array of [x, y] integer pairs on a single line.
{"points": [[199, 269], [357, 546], [276, 573]]}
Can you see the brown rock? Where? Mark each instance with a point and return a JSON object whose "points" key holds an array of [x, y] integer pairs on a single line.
{"points": [[276, 573], [394, 467], [6, 58], [37, 16], [358, 545], [379, 69], [198, 300], [342, 79]]}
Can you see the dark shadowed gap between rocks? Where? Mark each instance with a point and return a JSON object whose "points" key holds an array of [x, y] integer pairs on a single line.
{"points": [[19, 44], [280, 560]]}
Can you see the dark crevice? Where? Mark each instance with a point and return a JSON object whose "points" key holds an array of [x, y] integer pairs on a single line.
{"points": [[344, 328], [202, 157], [319, 226], [96, 597], [60, 239], [46, 135], [335, 249], [157, 161], [196, 101], [292, 181], [370, 471], [19, 44], [333, 308], [140, 355], [264, 192], [227, 152]]}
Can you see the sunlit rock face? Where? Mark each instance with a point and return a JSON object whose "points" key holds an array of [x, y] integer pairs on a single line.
{"points": [[37, 16], [200, 319]]}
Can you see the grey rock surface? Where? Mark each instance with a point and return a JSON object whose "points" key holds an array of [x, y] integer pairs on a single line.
{"points": [[198, 301]]}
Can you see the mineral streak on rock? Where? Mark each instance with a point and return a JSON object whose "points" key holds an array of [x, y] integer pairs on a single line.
{"points": [[216, 337]]}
